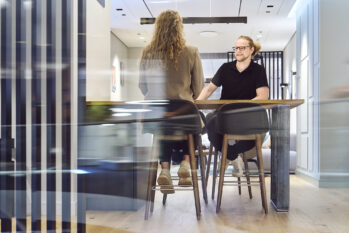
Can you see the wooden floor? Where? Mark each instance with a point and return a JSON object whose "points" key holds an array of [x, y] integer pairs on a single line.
{"points": [[312, 210]]}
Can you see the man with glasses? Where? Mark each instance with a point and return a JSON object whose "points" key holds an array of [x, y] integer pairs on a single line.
{"points": [[240, 79]]}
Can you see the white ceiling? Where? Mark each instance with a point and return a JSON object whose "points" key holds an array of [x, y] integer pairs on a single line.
{"points": [[275, 27]]}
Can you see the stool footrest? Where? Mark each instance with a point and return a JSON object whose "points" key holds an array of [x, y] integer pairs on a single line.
{"points": [[175, 187], [237, 183]]}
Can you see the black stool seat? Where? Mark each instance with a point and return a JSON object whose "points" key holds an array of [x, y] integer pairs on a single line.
{"points": [[242, 119]]}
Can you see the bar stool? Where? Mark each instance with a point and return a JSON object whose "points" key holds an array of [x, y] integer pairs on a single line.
{"points": [[242, 121], [180, 121], [247, 157]]}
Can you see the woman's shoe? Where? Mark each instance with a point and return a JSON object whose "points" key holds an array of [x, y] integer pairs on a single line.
{"points": [[185, 181], [184, 169], [165, 182]]}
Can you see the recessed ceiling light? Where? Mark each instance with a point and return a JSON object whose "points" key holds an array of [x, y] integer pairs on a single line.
{"points": [[270, 6], [141, 37], [208, 33], [119, 9], [123, 14], [267, 12]]}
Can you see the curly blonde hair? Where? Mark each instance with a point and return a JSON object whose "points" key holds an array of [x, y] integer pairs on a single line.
{"points": [[167, 42]]}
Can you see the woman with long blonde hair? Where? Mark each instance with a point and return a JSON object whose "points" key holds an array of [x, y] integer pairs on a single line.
{"points": [[170, 69]]}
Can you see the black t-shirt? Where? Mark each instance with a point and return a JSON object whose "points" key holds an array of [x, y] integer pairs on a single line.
{"points": [[236, 85]]}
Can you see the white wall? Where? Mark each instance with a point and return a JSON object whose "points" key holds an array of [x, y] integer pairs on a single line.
{"points": [[98, 68], [334, 72], [323, 65], [290, 66], [118, 56], [132, 77], [307, 81]]}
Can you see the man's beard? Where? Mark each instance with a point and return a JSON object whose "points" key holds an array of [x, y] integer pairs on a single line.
{"points": [[241, 59]]}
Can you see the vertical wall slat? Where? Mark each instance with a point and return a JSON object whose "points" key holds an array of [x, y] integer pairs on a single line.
{"points": [[281, 62], [36, 116], [81, 210], [278, 74], [66, 116], [21, 93], [51, 115], [270, 78], [7, 142]]}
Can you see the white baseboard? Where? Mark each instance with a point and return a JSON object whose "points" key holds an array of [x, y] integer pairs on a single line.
{"points": [[325, 179]]}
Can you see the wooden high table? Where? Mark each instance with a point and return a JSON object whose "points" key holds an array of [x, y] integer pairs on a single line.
{"points": [[280, 144]]}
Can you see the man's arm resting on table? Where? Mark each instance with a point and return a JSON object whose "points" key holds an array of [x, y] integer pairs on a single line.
{"points": [[262, 93], [207, 91]]}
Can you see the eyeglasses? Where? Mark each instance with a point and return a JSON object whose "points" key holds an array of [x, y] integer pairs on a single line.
{"points": [[241, 48]]}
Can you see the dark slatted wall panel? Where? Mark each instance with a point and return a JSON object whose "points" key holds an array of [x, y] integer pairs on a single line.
{"points": [[36, 49], [66, 115], [81, 103], [81, 210], [51, 114], [21, 45], [7, 142], [37, 61]]}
